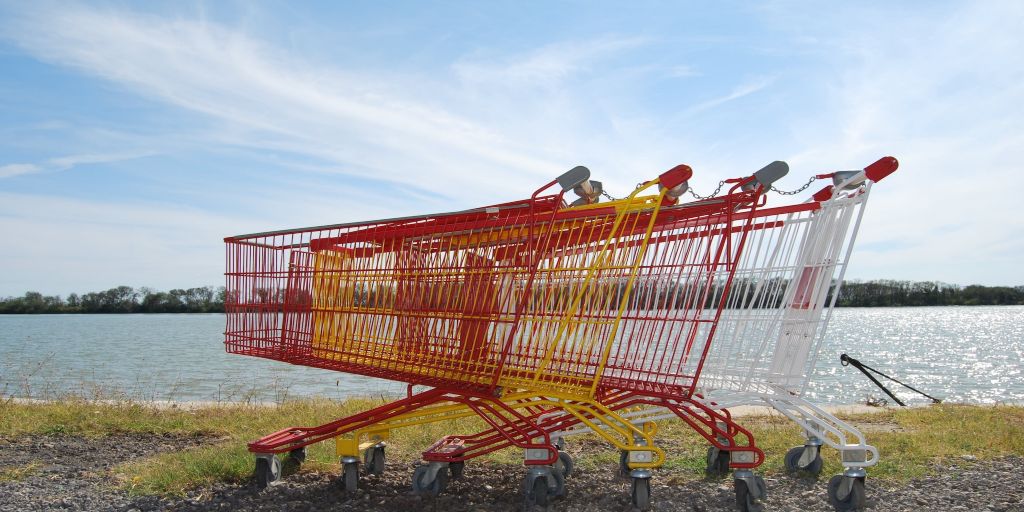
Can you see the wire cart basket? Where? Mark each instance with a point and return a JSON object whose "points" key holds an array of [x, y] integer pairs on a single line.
{"points": [[506, 312]]}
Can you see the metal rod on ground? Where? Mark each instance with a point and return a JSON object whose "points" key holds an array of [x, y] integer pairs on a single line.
{"points": [[847, 360]]}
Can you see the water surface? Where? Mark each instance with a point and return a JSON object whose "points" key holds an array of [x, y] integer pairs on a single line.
{"points": [[963, 354]]}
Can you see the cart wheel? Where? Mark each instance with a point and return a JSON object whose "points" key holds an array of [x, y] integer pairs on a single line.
{"points": [[747, 499], [537, 493], [298, 455], [718, 462], [350, 476], [855, 499], [456, 469], [559, 479], [374, 458], [624, 463], [268, 471], [434, 487], [564, 464], [641, 496], [792, 461]]}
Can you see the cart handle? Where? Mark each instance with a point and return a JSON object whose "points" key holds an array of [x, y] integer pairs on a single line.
{"points": [[875, 172], [568, 180]]}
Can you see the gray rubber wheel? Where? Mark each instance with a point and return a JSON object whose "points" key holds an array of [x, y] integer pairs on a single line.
{"points": [[792, 462], [564, 464], [641, 495], [268, 471], [420, 484], [855, 500], [717, 462], [298, 455], [559, 478], [624, 463], [419, 479], [440, 483], [350, 477], [456, 469], [374, 459], [539, 492], [745, 497]]}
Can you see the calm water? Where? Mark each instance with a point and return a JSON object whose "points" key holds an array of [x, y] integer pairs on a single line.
{"points": [[965, 354]]}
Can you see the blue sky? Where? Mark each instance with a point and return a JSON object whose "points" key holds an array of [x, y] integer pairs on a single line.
{"points": [[135, 136]]}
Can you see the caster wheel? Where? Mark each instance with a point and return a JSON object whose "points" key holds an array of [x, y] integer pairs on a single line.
{"points": [[268, 471], [624, 463], [564, 464], [350, 476], [374, 459], [456, 469], [792, 461], [747, 499], [298, 455], [717, 462], [559, 478], [423, 484], [641, 496], [854, 498], [537, 495]]}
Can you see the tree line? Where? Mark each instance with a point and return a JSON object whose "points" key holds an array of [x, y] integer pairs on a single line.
{"points": [[121, 299], [926, 293], [208, 299]]}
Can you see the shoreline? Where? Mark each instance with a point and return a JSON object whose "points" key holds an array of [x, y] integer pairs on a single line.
{"points": [[164, 313], [195, 405]]}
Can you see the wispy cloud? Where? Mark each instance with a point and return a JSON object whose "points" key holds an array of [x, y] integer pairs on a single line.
{"points": [[744, 89], [261, 93], [6, 171], [951, 111], [68, 162], [546, 66], [684, 72]]}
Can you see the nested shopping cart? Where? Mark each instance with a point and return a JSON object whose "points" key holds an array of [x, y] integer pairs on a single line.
{"points": [[771, 330], [504, 311]]}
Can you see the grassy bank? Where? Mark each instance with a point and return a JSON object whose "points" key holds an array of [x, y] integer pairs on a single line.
{"points": [[911, 440]]}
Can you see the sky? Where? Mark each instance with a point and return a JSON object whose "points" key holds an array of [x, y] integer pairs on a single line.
{"points": [[135, 136]]}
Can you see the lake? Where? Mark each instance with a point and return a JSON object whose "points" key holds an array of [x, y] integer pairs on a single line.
{"points": [[961, 354]]}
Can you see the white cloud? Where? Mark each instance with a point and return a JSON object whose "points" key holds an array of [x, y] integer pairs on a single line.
{"points": [[6, 171], [92, 245], [68, 162], [261, 93], [547, 66], [942, 92], [684, 72], [744, 89]]}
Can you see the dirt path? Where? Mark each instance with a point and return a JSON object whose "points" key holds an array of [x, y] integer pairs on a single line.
{"points": [[73, 473]]}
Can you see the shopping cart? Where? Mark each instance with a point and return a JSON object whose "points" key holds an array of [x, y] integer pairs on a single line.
{"points": [[770, 332], [502, 311]]}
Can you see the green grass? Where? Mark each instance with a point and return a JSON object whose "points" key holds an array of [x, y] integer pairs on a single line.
{"points": [[912, 441]]}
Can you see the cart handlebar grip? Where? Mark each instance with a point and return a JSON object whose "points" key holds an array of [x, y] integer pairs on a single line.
{"points": [[675, 176], [882, 168], [573, 177], [771, 173]]}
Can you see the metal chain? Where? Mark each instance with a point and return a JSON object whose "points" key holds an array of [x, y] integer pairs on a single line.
{"points": [[797, 191], [713, 194], [722, 184]]}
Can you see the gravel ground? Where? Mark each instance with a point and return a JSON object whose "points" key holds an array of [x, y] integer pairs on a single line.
{"points": [[72, 473]]}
